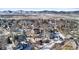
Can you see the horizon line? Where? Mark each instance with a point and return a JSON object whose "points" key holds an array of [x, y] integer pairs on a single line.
{"points": [[40, 9]]}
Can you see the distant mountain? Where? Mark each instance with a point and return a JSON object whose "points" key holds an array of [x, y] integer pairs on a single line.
{"points": [[22, 12]]}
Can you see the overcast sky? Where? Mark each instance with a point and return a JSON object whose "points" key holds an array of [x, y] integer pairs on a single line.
{"points": [[40, 9]]}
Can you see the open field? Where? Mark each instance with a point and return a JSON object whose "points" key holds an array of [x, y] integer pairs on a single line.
{"points": [[39, 31]]}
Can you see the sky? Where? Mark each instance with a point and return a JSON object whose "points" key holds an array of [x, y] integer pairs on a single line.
{"points": [[40, 9]]}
